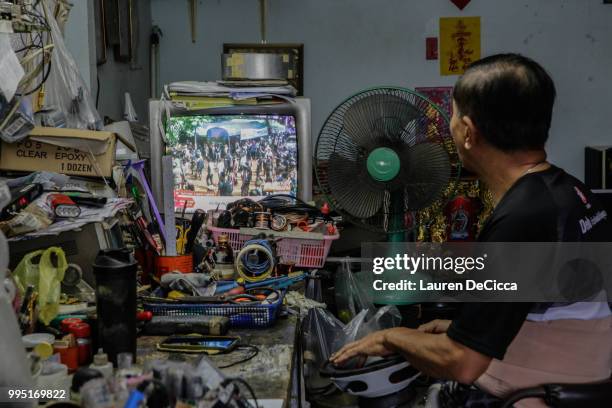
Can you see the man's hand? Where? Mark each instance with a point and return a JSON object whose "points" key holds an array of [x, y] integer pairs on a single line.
{"points": [[373, 344], [428, 349], [435, 326]]}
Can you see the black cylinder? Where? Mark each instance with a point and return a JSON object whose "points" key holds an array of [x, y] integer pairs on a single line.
{"points": [[115, 271]]}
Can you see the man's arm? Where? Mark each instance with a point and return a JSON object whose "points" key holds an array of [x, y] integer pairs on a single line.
{"points": [[481, 332], [437, 355], [433, 354]]}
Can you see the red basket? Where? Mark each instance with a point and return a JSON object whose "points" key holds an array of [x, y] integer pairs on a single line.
{"points": [[306, 253]]}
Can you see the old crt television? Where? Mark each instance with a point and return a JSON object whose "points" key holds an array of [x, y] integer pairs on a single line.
{"points": [[220, 155]]}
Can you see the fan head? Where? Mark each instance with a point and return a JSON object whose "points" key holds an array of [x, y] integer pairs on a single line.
{"points": [[383, 153]]}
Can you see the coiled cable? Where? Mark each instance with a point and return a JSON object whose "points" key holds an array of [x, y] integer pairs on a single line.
{"points": [[256, 260]]}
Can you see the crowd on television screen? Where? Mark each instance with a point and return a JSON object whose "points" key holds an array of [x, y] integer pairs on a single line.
{"points": [[233, 167]]}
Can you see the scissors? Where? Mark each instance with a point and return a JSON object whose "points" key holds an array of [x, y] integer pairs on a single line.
{"points": [[181, 238]]}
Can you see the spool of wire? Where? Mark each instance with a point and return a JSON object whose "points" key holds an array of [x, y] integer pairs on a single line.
{"points": [[256, 260], [262, 220], [278, 222]]}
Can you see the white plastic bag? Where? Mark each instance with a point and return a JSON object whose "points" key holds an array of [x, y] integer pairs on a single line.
{"points": [[65, 88], [14, 370]]}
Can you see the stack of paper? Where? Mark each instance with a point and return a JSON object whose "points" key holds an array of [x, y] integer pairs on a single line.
{"points": [[201, 95], [88, 215]]}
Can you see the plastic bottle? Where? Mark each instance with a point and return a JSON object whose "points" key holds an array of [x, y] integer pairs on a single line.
{"points": [[115, 271], [224, 252], [101, 363], [125, 371]]}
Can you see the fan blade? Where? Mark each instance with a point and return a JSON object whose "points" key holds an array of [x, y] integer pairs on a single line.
{"points": [[426, 171], [377, 119], [347, 187], [333, 140], [346, 148]]}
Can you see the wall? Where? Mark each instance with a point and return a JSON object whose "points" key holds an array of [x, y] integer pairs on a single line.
{"points": [[79, 35], [354, 44], [115, 78]]}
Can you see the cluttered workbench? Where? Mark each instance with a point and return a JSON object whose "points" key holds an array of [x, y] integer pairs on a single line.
{"points": [[276, 348], [169, 272]]}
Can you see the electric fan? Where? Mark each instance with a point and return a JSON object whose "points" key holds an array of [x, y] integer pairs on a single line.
{"points": [[385, 153]]}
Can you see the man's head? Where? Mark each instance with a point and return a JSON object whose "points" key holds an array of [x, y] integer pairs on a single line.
{"points": [[503, 103]]}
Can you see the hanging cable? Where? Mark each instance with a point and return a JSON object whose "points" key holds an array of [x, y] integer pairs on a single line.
{"points": [[97, 90]]}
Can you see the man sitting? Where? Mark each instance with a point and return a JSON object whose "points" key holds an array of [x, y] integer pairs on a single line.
{"points": [[502, 113]]}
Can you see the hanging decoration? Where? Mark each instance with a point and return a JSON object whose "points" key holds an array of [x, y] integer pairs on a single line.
{"points": [[459, 44], [461, 3]]}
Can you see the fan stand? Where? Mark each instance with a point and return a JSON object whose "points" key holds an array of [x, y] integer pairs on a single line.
{"points": [[383, 153], [384, 165]]}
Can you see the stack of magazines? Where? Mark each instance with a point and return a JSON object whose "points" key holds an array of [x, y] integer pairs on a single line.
{"points": [[201, 95]]}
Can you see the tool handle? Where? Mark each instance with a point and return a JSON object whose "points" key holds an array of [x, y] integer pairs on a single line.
{"points": [[196, 223]]}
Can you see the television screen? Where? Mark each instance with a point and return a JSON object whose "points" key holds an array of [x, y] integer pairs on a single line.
{"points": [[218, 159]]}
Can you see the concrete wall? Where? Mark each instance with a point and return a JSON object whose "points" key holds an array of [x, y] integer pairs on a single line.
{"points": [[79, 36], [354, 44], [115, 78]]}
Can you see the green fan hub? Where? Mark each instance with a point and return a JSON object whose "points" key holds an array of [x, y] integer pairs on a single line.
{"points": [[383, 164]]}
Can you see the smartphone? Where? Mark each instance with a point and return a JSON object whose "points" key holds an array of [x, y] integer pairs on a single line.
{"points": [[199, 344]]}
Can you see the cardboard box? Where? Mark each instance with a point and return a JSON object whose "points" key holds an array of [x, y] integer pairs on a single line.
{"points": [[69, 151]]}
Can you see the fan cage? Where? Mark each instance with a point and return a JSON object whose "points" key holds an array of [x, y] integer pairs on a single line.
{"points": [[430, 126]]}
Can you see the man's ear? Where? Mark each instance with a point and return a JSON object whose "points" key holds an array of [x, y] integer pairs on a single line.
{"points": [[471, 135]]}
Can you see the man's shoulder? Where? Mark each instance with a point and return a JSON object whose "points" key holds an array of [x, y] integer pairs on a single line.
{"points": [[547, 206], [527, 212]]}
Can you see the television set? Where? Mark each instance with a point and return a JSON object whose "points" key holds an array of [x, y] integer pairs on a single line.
{"points": [[222, 154]]}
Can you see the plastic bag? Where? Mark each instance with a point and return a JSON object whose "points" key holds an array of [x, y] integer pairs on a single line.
{"points": [[351, 295], [26, 273], [322, 332], [14, 370], [366, 322], [5, 198], [326, 334], [46, 277], [65, 88]]}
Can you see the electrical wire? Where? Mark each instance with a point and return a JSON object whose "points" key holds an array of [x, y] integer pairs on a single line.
{"points": [[293, 218], [250, 265], [97, 90], [37, 44], [286, 203], [246, 385], [42, 82], [262, 220], [255, 351]]}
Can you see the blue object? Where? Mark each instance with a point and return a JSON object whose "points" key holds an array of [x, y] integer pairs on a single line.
{"points": [[134, 400], [256, 267], [247, 316], [279, 283]]}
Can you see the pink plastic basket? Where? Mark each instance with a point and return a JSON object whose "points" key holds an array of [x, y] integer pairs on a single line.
{"points": [[306, 253]]}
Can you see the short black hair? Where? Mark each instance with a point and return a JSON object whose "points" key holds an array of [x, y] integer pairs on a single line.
{"points": [[510, 98]]}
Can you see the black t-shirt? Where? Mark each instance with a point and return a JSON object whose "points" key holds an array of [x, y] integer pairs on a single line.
{"points": [[546, 206]]}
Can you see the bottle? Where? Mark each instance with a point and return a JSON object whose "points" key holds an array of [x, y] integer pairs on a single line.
{"points": [[115, 272], [125, 371], [101, 363], [224, 252], [82, 333]]}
